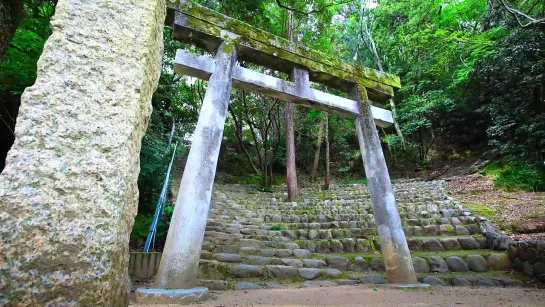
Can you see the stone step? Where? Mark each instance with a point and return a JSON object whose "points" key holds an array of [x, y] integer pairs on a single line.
{"points": [[222, 243], [424, 262], [335, 269], [474, 280], [325, 205], [336, 233]]}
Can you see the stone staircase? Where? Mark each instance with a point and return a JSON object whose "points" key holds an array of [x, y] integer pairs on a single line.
{"points": [[259, 240]]}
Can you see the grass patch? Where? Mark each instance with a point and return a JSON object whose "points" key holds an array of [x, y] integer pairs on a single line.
{"points": [[511, 173], [482, 209]]}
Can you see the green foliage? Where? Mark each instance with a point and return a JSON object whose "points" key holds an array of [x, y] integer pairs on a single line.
{"points": [[512, 173], [277, 227], [18, 68]]}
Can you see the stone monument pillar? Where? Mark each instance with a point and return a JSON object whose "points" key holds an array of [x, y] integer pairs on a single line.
{"points": [[68, 195]]}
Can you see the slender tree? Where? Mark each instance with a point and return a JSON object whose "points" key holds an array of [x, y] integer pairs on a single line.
{"points": [[11, 13]]}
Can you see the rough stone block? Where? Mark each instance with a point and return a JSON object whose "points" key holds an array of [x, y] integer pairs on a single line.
{"points": [[228, 257], [499, 262], [372, 279], [461, 282], [477, 263], [432, 245], [245, 271], [420, 265], [296, 263], [301, 253], [68, 194], [337, 262], [246, 285], [456, 264], [433, 281], [309, 273], [377, 264], [468, 243], [314, 263], [450, 244], [437, 264], [171, 296], [281, 271]]}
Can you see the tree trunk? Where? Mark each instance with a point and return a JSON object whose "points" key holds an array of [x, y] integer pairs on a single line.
{"points": [[373, 48], [291, 174], [327, 170], [317, 154], [11, 13]]}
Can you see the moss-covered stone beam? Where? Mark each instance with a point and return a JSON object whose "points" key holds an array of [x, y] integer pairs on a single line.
{"points": [[205, 28]]}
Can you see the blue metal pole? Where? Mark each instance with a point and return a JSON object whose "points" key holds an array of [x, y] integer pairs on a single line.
{"points": [[159, 207]]}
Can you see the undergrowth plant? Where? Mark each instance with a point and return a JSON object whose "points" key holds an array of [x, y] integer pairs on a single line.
{"points": [[512, 173]]}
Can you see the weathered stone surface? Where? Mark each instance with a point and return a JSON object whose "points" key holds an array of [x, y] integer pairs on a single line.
{"points": [[313, 234], [456, 264], [484, 282], [420, 265], [433, 281], [468, 243], [508, 282], [267, 252], [145, 296], [259, 260], [251, 243], [450, 244], [499, 262], [346, 282], [372, 279], [246, 285], [214, 284], [243, 251], [245, 270], [281, 271], [284, 253], [539, 270], [336, 246], [461, 282], [437, 264], [461, 230], [228, 257], [337, 262], [296, 263], [431, 230], [68, 194], [477, 263], [314, 263], [446, 230], [332, 273], [317, 284], [377, 264], [309, 273], [431, 245], [301, 253], [414, 244]]}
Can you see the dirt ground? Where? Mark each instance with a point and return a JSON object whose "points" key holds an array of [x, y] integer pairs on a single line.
{"points": [[520, 214], [368, 296]]}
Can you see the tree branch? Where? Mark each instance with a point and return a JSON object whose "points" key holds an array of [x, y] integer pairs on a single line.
{"points": [[516, 14], [319, 10]]}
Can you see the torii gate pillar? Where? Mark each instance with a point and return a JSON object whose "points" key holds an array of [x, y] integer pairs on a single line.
{"points": [[397, 257], [179, 268]]}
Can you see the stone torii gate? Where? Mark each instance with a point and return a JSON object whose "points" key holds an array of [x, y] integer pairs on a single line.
{"points": [[232, 40], [68, 193]]}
